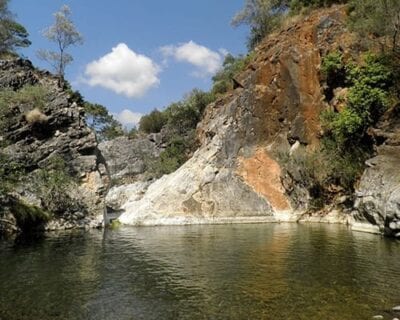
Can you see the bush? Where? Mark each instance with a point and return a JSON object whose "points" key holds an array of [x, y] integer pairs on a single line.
{"points": [[263, 17], [52, 185], [10, 174], [34, 97], [99, 119], [153, 122], [232, 66], [29, 217], [377, 21], [367, 100], [35, 116], [170, 159]]}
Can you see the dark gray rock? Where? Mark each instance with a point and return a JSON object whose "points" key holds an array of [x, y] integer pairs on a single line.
{"points": [[127, 159], [64, 135]]}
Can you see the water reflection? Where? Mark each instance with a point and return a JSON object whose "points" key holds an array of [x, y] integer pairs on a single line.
{"points": [[201, 272]]}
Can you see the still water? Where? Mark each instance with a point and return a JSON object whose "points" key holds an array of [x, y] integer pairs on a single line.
{"points": [[265, 271]]}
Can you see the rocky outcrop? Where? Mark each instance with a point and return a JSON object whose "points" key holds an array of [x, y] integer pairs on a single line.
{"points": [[378, 194], [127, 159], [235, 175], [59, 133]]}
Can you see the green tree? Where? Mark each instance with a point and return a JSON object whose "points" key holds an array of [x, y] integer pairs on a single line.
{"points": [[153, 122], [263, 16], [12, 34], [64, 33], [101, 121]]}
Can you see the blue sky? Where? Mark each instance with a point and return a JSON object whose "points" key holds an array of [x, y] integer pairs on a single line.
{"points": [[139, 54]]}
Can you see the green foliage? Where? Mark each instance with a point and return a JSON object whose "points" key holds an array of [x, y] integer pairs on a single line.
{"points": [[64, 34], [178, 123], [52, 185], [367, 100], [101, 121], [170, 159], [179, 117], [322, 170], [12, 34], [153, 122], [29, 96], [34, 96], [97, 116], [265, 16], [29, 217], [232, 66], [332, 64], [377, 21], [10, 173]]}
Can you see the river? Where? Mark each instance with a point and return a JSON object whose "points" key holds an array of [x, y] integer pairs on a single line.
{"points": [[259, 271]]}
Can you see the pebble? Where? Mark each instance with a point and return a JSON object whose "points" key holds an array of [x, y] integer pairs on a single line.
{"points": [[378, 317], [397, 309]]}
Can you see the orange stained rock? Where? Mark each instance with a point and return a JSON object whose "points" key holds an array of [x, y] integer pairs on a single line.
{"points": [[262, 173]]}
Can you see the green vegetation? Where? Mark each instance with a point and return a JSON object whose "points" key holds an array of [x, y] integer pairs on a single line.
{"points": [[10, 173], [52, 185], [377, 21], [29, 217], [367, 100], [97, 116], [101, 121], [265, 16], [31, 97], [64, 34], [35, 96], [338, 163], [232, 66], [171, 158], [153, 122], [177, 123], [12, 34]]}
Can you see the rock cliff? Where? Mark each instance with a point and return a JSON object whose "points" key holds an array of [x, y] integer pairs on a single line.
{"points": [[37, 138], [235, 174], [378, 194]]}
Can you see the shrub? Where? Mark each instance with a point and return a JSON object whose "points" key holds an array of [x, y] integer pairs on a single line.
{"points": [[367, 99], [28, 217], [170, 159], [232, 66], [99, 119], [10, 173], [52, 185], [153, 122], [35, 116], [35, 97], [263, 17]]}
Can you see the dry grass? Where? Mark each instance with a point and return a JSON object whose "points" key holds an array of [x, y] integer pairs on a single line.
{"points": [[36, 116]]}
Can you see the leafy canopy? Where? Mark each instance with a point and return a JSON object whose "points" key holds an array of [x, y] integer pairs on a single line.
{"points": [[12, 34], [64, 34]]}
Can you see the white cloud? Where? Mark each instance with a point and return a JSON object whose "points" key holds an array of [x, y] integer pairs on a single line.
{"points": [[124, 72], [206, 61], [128, 118]]}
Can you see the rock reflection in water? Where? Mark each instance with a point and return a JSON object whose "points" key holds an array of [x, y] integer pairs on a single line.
{"points": [[266, 271]]}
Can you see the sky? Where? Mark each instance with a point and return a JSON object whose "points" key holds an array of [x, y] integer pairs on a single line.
{"points": [[138, 55]]}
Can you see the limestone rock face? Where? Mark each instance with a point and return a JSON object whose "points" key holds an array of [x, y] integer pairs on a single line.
{"points": [[235, 175], [126, 158], [63, 134], [378, 194]]}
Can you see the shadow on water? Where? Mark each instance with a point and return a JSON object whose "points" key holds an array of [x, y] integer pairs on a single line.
{"points": [[200, 272]]}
